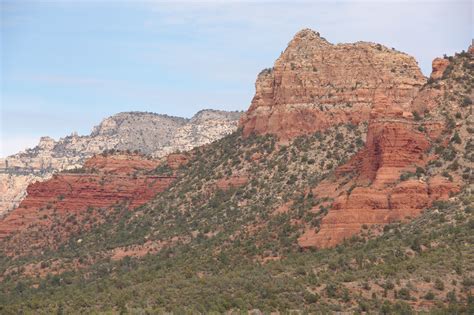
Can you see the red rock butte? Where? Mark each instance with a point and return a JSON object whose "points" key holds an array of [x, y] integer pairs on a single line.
{"points": [[315, 84]]}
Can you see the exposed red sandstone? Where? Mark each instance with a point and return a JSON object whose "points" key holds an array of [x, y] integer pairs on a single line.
{"points": [[374, 193], [106, 181], [392, 145], [439, 65], [370, 205], [368, 189], [315, 84], [176, 160], [256, 156], [120, 164], [231, 182]]}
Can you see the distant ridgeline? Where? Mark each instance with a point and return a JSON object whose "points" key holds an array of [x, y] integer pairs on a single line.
{"points": [[152, 134]]}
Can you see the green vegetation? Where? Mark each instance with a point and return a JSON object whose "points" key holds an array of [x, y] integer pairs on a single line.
{"points": [[236, 248], [222, 242], [193, 278]]}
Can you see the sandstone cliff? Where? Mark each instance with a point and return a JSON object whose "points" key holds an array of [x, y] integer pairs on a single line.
{"points": [[410, 159], [149, 133], [315, 84], [70, 202]]}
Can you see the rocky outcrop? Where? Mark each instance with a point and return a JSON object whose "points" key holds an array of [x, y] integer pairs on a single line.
{"points": [[120, 164], [105, 181], [392, 145], [366, 206], [203, 128], [439, 65], [315, 84], [176, 160], [232, 182], [375, 195], [149, 133], [387, 180]]}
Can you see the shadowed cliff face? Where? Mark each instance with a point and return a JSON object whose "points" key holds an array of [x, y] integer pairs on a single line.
{"points": [[315, 84]]}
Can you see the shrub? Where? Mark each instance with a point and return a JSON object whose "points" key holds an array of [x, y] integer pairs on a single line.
{"points": [[447, 175], [456, 138], [454, 166], [415, 245], [389, 285], [466, 101], [416, 116], [366, 286], [439, 285], [420, 171], [405, 176], [451, 296], [44, 264], [404, 293], [429, 296], [311, 297], [450, 123], [331, 290]]}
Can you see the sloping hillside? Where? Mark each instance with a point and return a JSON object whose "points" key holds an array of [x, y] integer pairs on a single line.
{"points": [[367, 216]]}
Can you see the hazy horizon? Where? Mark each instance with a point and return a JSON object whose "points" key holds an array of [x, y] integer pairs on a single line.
{"points": [[66, 66]]}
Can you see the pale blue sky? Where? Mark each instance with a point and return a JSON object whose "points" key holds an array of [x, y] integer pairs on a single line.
{"points": [[65, 65]]}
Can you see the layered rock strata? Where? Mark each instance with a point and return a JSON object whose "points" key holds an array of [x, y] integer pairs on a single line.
{"points": [[149, 133], [67, 198], [315, 84]]}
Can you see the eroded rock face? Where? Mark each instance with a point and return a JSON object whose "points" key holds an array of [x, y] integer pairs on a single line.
{"points": [[232, 182], [315, 84], [391, 146], [176, 160], [366, 206], [368, 190], [105, 181], [439, 65], [120, 164], [149, 133]]}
